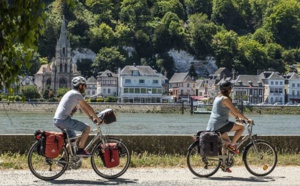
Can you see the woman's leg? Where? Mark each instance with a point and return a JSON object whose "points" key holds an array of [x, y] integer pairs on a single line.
{"points": [[239, 128]]}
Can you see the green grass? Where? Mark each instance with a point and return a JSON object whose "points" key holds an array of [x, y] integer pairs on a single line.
{"points": [[17, 161]]}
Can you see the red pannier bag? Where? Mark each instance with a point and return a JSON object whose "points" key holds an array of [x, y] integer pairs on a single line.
{"points": [[110, 155], [53, 144]]}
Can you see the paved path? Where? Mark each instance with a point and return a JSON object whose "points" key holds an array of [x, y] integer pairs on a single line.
{"points": [[281, 176]]}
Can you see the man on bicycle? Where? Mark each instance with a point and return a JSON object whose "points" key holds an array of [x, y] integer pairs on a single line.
{"points": [[69, 103]]}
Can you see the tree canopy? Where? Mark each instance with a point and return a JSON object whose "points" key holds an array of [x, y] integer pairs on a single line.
{"points": [[243, 34]]}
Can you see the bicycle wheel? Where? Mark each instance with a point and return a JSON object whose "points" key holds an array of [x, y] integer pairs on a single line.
{"points": [[201, 166], [45, 168], [260, 158], [114, 172]]}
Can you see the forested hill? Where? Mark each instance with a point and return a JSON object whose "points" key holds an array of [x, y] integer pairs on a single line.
{"points": [[243, 34]]}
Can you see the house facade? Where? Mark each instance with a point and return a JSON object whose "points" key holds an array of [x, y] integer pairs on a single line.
{"points": [[107, 84], [182, 87], [274, 87], [292, 87], [248, 88], [140, 84], [91, 87]]}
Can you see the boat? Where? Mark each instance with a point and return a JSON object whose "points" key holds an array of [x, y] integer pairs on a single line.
{"points": [[200, 109]]}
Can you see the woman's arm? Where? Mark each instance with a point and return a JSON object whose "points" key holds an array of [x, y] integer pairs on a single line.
{"points": [[235, 112]]}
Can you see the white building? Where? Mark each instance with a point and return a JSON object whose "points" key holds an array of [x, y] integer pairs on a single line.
{"points": [[140, 84], [91, 87], [293, 87], [274, 87], [107, 84]]}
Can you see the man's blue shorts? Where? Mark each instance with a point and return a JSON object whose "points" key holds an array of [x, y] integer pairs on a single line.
{"points": [[71, 125]]}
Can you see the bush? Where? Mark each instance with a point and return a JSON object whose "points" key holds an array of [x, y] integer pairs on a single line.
{"points": [[61, 92], [100, 100], [111, 99], [30, 92]]}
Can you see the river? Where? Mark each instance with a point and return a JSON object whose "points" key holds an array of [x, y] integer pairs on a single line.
{"points": [[144, 123]]}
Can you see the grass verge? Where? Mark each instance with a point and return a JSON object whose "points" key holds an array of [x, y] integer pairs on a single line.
{"points": [[17, 161]]}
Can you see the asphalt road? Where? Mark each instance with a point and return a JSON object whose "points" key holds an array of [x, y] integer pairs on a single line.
{"points": [[281, 176]]}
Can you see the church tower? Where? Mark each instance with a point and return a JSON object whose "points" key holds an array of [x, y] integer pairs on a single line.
{"points": [[62, 68]]}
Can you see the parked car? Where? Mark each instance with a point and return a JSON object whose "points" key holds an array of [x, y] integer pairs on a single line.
{"points": [[278, 104]]}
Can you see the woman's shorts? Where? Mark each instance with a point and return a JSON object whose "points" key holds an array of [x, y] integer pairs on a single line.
{"points": [[226, 128], [71, 125]]}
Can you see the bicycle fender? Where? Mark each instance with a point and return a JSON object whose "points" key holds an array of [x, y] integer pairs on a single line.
{"points": [[193, 144]]}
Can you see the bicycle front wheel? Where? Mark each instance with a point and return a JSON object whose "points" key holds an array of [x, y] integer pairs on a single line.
{"points": [[201, 166], [46, 168], [99, 165], [260, 158]]}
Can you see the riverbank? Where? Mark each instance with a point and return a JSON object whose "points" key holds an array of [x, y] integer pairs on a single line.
{"points": [[142, 108]]}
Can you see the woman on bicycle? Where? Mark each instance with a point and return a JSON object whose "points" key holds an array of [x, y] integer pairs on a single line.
{"points": [[219, 118]]}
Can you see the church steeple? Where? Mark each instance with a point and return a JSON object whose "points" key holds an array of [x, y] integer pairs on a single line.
{"points": [[63, 33]]}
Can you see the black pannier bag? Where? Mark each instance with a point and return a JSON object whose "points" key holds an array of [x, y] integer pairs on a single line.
{"points": [[209, 144]]}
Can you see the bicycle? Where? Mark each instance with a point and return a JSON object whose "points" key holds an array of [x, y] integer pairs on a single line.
{"points": [[259, 157], [52, 168]]}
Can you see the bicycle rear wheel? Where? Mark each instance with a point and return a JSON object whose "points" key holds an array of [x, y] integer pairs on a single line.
{"points": [[45, 168], [260, 158], [201, 166], [113, 172]]}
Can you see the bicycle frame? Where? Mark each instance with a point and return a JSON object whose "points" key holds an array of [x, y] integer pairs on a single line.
{"points": [[98, 135]]}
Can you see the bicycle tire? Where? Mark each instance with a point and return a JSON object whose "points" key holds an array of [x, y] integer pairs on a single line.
{"points": [[45, 168], [114, 172], [201, 166], [266, 159]]}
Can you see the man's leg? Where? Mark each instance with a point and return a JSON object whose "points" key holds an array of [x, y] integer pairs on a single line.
{"points": [[84, 136]]}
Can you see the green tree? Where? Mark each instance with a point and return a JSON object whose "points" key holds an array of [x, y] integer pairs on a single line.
{"points": [[253, 55], [21, 25], [30, 92], [108, 59], [202, 32], [85, 66], [102, 36], [163, 6], [197, 6], [284, 23], [225, 46]]}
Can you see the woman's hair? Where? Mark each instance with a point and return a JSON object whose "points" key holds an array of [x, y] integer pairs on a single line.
{"points": [[225, 88]]}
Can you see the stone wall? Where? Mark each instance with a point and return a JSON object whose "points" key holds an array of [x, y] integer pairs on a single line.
{"points": [[156, 144]]}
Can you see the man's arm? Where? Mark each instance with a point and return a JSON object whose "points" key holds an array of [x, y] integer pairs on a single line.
{"points": [[89, 111]]}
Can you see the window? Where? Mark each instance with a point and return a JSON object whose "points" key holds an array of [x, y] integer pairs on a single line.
{"points": [[137, 90], [272, 83], [126, 90], [143, 90], [108, 91], [149, 90], [280, 82], [293, 84], [188, 85], [276, 83], [131, 90], [154, 91], [141, 81], [127, 80], [135, 73], [155, 81]]}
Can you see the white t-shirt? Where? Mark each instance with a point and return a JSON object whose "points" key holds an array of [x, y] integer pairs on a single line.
{"points": [[67, 104]]}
